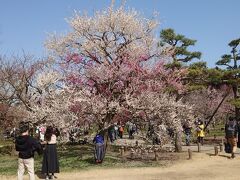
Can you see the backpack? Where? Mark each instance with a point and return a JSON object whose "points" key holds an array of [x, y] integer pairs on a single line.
{"points": [[227, 147], [199, 129], [121, 129], [231, 130]]}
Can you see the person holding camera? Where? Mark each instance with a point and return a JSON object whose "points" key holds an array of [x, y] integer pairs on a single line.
{"points": [[26, 146]]}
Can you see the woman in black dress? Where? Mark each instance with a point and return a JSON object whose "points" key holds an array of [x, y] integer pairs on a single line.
{"points": [[50, 163]]}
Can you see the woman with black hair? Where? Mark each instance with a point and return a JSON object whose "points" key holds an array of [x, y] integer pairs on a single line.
{"points": [[50, 163]]}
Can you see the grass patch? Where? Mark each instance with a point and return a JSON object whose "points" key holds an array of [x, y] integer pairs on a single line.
{"points": [[6, 142], [80, 157], [218, 130]]}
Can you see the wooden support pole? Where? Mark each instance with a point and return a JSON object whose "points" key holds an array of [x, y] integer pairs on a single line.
{"points": [[221, 147], [13, 151], [136, 143], [199, 147], [216, 150], [155, 155], [122, 151], [215, 137], [132, 154], [189, 154]]}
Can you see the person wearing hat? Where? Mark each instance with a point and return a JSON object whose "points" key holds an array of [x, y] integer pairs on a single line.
{"points": [[26, 146]]}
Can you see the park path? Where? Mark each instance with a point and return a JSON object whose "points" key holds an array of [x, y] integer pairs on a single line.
{"points": [[203, 166]]}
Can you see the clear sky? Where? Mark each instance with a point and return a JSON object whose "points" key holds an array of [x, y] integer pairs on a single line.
{"points": [[24, 24]]}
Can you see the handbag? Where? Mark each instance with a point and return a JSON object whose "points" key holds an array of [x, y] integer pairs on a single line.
{"points": [[238, 144], [227, 147]]}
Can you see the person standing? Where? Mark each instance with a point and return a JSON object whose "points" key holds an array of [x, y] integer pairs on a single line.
{"points": [[50, 164], [116, 131], [99, 147], [111, 133], [200, 131], [121, 131], [26, 146], [187, 132], [231, 131]]}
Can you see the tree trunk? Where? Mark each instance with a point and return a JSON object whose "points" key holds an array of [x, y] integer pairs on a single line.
{"points": [[178, 141], [1, 134]]}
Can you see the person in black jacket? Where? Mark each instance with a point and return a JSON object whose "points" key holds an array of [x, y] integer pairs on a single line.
{"points": [[26, 146], [187, 131], [231, 133]]}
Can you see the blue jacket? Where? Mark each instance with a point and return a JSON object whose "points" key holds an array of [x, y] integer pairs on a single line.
{"points": [[98, 139]]}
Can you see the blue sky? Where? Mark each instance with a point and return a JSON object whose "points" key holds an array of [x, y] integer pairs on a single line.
{"points": [[213, 23]]}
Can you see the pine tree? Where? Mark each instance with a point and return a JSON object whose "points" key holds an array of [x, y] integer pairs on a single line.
{"points": [[232, 72], [179, 44]]}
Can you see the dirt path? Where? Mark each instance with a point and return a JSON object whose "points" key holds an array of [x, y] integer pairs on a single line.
{"points": [[202, 167]]}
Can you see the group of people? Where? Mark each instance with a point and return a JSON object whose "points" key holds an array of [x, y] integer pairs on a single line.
{"points": [[131, 129], [26, 145], [231, 134], [199, 127], [115, 131]]}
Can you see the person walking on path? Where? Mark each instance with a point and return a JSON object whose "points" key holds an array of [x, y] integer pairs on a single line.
{"points": [[231, 131], [99, 148], [26, 146], [50, 164]]}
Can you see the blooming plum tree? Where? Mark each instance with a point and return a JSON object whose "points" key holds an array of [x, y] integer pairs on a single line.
{"points": [[110, 67]]}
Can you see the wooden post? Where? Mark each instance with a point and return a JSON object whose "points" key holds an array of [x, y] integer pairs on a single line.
{"points": [[199, 147], [216, 150], [13, 150], [145, 156], [132, 153], [221, 147], [215, 137], [156, 155], [189, 154], [122, 151]]}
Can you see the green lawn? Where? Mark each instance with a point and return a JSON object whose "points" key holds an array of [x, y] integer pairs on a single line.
{"points": [[218, 130], [80, 157]]}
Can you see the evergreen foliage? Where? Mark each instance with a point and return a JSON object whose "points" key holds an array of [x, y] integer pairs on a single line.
{"points": [[180, 45], [231, 75]]}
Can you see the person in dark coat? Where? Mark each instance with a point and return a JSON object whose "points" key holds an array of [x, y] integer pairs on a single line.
{"points": [[187, 131], [50, 164], [99, 147], [231, 133], [26, 146]]}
